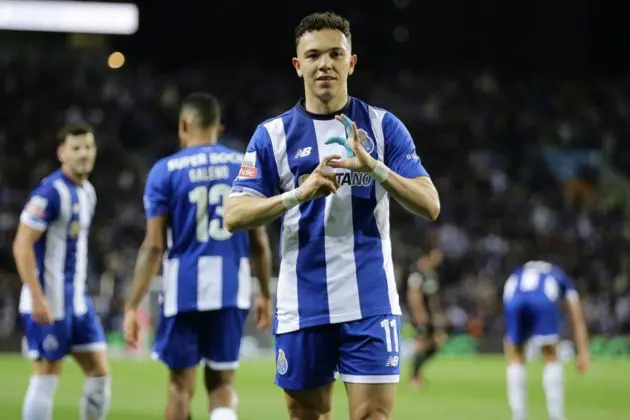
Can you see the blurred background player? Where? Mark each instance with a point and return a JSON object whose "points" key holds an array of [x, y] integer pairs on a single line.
{"points": [[337, 303], [532, 296], [425, 309], [50, 251], [206, 273]]}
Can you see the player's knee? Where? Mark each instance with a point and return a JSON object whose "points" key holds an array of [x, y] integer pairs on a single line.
{"points": [[47, 367], [217, 379], [370, 411], [513, 353], [301, 412], [306, 405], [93, 364], [180, 383], [549, 353], [219, 387], [97, 394], [97, 371]]}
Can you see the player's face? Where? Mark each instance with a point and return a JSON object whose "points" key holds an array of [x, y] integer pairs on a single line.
{"points": [[325, 60], [78, 153]]}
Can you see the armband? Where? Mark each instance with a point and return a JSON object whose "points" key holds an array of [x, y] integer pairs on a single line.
{"points": [[380, 172], [289, 199]]}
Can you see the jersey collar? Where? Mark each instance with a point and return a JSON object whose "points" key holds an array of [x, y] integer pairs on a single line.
{"points": [[301, 106]]}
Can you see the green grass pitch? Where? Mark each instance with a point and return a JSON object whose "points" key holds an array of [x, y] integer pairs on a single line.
{"points": [[471, 389]]}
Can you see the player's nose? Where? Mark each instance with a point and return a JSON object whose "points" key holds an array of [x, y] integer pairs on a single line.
{"points": [[324, 63]]}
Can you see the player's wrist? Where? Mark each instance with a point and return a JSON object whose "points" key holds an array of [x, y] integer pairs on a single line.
{"points": [[291, 199], [131, 307], [380, 172]]}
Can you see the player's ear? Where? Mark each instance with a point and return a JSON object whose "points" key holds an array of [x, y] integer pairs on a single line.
{"points": [[60, 153], [220, 130], [296, 66], [182, 129], [353, 63]]}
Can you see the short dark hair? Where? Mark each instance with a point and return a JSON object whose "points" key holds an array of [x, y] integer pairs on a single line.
{"points": [[319, 21], [206, 106], [73, 129]]}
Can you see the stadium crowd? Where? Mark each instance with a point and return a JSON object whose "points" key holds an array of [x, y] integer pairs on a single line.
{"points": [[502, 153]]}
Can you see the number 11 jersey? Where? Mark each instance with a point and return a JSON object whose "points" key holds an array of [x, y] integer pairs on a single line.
{"points": [[206, 267]]}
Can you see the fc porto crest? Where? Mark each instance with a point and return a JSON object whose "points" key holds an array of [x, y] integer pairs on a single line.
{"points": [[365, 141], [282, 365], [50, 343]]}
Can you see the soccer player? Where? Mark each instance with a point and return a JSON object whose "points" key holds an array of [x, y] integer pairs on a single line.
{"points": [[206, 272], [531, 299], [51, 255], [425, 309], [328, 166]]}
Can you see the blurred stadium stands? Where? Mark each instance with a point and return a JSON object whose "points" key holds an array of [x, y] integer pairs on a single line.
{"points": [[518, 159]]}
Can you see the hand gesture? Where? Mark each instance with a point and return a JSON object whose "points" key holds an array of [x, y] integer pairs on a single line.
{"points": [[361, 161], [262, 308], [320, 183], [131, 327], [582, 362], [41, 311]]}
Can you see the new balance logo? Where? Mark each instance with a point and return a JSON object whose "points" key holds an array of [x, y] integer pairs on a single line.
{"points": [[392, 361], [303, 152]]}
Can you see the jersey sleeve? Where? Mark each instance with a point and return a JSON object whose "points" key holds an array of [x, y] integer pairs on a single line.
{"points": [[258, 175], [400, 151], [567, 288], [156, 192], [510, 287], [41, 208], [415, 280]]}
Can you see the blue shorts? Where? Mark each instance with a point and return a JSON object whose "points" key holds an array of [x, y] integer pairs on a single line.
{"points": [[364, 351], [187, 338], [532, 317], [75, 333]]}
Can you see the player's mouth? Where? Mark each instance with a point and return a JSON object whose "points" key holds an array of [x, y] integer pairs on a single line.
{"points": [[325, 79]]}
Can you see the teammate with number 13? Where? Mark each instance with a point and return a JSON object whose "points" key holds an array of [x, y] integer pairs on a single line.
{"points": [[206, 273]]}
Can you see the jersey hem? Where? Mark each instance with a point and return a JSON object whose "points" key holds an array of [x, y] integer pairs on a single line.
{"points": [[182, 310], [286, 327]]}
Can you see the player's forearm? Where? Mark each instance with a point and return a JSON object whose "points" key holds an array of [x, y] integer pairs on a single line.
{"points": [[261, 258], [147, 266], [25, 262], [416, 308], [417, 196], [262, 264], [579, 327], [245, 212]]}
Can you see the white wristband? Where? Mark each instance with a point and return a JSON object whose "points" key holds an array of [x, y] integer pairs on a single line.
{"points": [[380, 172], [289, 199]]}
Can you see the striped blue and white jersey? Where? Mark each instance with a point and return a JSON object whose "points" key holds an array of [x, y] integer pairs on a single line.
{"points": [[63, 211], [541, 281], [336, 253], [206, 267]]}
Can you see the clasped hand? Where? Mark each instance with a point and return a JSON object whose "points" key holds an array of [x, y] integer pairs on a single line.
{"points": [[322, 181]]}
